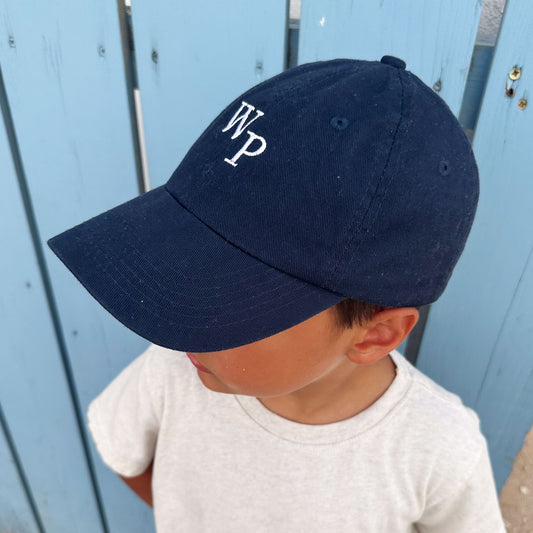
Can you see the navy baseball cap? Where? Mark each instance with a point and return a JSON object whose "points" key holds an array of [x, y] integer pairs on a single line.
{"points": [[334, 179]]}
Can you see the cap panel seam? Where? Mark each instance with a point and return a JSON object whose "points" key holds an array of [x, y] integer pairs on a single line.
{"points": [[362, 225], [384, 182]]}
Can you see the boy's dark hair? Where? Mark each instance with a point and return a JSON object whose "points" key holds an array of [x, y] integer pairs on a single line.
{"points": [[350, 311]]}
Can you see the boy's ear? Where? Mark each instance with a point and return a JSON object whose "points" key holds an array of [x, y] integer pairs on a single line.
{"points": [[385, 332]]}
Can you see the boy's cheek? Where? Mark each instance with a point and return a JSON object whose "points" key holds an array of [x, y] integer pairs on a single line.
{"points": [[240, 381]]}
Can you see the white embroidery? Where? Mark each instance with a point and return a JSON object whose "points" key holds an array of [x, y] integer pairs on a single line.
{"points": [[243, 151], [240, 121], [242, 126]]}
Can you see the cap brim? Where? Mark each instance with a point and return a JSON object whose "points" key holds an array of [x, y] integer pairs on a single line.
{"points": [[171, 279]]}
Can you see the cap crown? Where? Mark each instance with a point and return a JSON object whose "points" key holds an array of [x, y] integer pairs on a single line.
{"points": [[351, 175]]}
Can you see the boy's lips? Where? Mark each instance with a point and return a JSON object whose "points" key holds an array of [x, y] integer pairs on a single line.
{"points": [[197, 364]]}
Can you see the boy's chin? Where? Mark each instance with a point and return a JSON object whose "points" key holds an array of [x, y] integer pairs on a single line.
{"points": [[213, 383]]}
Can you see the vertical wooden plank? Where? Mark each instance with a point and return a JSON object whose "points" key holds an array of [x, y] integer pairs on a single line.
{"points": [[435, 39], [193, 59], [34, 395], [63, 69], [15, 512], [478, 337], [506, 397]]}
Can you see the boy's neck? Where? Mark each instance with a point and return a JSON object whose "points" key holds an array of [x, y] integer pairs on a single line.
{"points": [[341, 396]]}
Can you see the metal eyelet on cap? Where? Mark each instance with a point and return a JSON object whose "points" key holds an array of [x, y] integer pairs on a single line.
{"points": [[444, 168], [339, 123]]}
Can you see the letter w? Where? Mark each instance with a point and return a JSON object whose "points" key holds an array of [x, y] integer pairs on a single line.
{"points": [[240, 120]]}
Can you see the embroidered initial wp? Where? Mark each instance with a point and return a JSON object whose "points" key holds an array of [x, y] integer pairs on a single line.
{"points": [[239, 120]]}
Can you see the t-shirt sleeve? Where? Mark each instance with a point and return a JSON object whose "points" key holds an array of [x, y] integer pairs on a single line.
{"points": [[472, 507], [124, 418]]}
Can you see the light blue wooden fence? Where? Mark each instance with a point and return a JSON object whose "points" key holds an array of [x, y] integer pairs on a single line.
{"points": [[69, 150]]}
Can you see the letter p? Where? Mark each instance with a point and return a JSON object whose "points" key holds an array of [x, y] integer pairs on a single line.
{"points": [[244, 151]]}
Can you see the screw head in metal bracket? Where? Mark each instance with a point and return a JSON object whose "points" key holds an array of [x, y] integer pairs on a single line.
{"points": [[515, 73]]}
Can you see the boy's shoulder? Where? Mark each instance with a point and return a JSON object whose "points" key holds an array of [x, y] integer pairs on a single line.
{"points": [[435, 400], [440, 416], [441, 438]]}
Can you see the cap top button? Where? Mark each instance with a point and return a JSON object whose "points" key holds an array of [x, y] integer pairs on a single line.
{"points": [[393, 61]]}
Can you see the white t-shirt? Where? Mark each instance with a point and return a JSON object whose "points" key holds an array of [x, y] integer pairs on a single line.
{"points": [[415, 460]]}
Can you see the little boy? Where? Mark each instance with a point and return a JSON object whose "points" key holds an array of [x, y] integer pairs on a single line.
{"points": [[285, 258]]}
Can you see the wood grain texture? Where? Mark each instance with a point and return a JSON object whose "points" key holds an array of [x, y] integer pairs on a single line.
{"points": [[435, 39], [478, 338], [34, 394], [15, 511], [193, 59], [65, 83]]}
